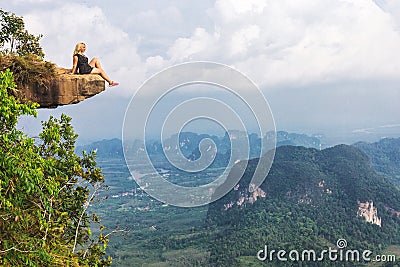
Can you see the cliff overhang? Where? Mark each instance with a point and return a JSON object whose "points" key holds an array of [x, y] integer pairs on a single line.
{"points": [[63, 89]]}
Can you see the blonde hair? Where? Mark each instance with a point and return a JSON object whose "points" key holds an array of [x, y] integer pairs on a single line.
{"points": [[78, 48]]}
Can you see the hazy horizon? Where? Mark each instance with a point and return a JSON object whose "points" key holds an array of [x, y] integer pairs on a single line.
{"points": [[325, 140]]}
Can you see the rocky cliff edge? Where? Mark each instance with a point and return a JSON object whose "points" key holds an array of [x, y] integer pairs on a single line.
{"points": [[64, 89]]}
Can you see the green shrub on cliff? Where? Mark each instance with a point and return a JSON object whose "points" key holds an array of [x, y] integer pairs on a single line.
{"points": [[21, 53], [28, 70]]}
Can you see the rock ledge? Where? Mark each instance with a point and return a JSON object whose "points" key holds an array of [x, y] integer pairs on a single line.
{"points": [[65, 89]]}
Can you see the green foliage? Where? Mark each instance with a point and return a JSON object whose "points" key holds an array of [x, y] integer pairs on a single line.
{"points": [[311, 202], [10, 108], [21, 53], [385, 156], [14, 39], [45, 190], [28, 71]]}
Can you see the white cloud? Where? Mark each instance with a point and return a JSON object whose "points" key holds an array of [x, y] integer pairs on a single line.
{"points": [[32, 1], [393, 8], [243, 38], [297, 42], [155, 63], [230, 10], [188, 48]]}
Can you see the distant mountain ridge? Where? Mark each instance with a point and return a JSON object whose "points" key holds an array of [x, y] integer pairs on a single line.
{"points": [[384, 154], [189, 142], [107, 148]]}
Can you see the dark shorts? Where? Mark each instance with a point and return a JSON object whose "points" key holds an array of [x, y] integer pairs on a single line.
{"points": [[85, 69]]}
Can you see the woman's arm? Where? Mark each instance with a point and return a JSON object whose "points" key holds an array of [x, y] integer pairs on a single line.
{"points": [[75, 64]]}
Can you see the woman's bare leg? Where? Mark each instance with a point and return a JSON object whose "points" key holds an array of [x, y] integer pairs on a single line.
{"points": [[95, 63], [102, 74], [97, 69]]}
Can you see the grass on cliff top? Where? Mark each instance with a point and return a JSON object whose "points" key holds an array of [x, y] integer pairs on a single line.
{"points": [[29, 70]]}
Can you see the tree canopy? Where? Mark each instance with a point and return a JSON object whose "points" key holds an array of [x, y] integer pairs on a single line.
{"points": [[15, 39]]}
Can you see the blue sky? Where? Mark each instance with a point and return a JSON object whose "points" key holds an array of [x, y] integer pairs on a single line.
{"points": [[329, 66]]}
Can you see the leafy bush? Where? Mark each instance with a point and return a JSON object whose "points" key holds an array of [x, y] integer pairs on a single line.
{"points": [[28, 70], [45, 190]]}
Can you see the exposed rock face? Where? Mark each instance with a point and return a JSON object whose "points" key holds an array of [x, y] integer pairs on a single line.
{"points": [[65, 89], [369, 212], [246, 197]]}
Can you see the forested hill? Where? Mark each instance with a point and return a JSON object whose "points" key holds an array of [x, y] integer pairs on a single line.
{"points": [[309, 200], [385, 156]]}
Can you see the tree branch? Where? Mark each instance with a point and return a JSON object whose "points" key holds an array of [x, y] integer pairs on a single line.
{"points": [[85, 206]]}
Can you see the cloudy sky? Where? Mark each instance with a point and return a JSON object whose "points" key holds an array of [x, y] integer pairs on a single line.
{"points": [[329, 66]]}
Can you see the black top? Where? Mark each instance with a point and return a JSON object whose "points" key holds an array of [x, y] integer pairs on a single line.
{"points": [[83, 65]]}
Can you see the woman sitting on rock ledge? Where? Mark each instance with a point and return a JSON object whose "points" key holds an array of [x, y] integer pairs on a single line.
{"points": [[80, 63]]}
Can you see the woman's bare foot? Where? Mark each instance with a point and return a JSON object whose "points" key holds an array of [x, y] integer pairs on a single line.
{"points": [[112, 83]]}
